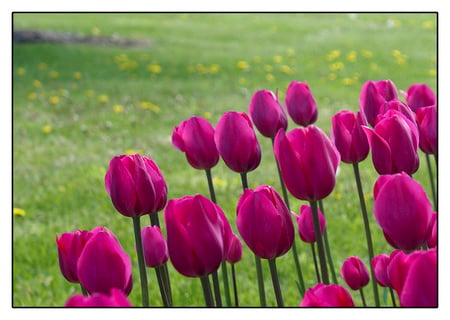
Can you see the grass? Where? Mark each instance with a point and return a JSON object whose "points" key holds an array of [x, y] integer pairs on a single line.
{"points": [[77, 106]]}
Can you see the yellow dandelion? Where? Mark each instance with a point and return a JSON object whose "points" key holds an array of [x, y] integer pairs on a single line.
{"points": [[90, 93], [47, 128], [154, 68], [347, 81], [270, 77], [351, 56], [268, 68], [95, 31], [220, 182], [133, 151], [201, 68], [37, 84], [149, 106], [336, 66], [214, 68], [18, 212], [396, 53], [103, 98], [374, 66], [120, 58], [20, 71], [118, 108], [368, 196], [334, 54], [42, 66], [290, 52], [242, 65], [53, 74], [53, 99], [207, 115], [77, 75], [278, 59], [432, 72], [32, 96], [427, 24], [367, 53], [337, 195], [286, 69], [332, 76]]}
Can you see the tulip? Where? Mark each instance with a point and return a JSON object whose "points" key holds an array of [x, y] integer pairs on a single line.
{"points": [[306, 225], [398, 105], [195, 235], [264, 222], [402, 210], [432, 236], [414, 277], [355, 273], [234, 253], [155, 247], [136, 185], [195, 137], [349, 137], [308, 162], [394, 142], [116, 298], [237, 143], [323, 295], [373, 95], [300, 103], [379, 264], [427, 122], [104, 265], [420, 95]]}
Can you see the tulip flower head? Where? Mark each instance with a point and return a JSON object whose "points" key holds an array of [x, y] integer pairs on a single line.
{"points": [[154, 246], [306, 224], [327, 295], [420, 95], [379, 265], [116, 298], [355, 273], [300, 103], [234, 253], [432, 235], [195, 137], [427, 123], [373, 95]]}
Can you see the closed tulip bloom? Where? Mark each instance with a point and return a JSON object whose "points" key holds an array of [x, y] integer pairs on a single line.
{"points": [[373, 95], [103, 265], [432, 235], [327, 295], [308, 162], [195, 137], [154, 246], [379, 265], [427, 122], [398, 105], [300, 103], [136, 185], [420, 95], [195, 235], [98, 300], [237, 143], [266, 113], [234, 253], [306, 225], [402, 210], [394, 142], [264, 222], [348, 136], [355, 273]]}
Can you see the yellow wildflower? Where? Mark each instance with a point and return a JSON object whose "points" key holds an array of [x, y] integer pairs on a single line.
{"points": [[20, 71], [367, 53], [351, 56], [286, 69], [242, 81], [427, 24], [95, 31], [37, 84], [120, 58], [18, 212], [77, 75], [154, 68], [336, 66], [432, 72], [334, 54], [277, 59], [220, 182], [270, 77], [103, 98], [90, 93], [32, 96], [47, 128], [53, 99], [332, 76], [347, 81], [118, 108], [54, 74], [242, 65], [214, 68], [268, 68], [290, 52], [207, 115], [42, 66]]}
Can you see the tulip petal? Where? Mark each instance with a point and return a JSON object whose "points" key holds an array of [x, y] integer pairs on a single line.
{"points": [[122, 187]]}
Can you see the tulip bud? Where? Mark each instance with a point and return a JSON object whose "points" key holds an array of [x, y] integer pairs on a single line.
{"points": [[264, 222], [419, 95], [195, 137], [355, 273], [308, 162], [98, 300], [427, 122], [373, 95], [154, 246], [300, 103], [402, 210], [399, 106], [327, 295], [234, 253], [135, 185], [306, 224], [379, 265]]}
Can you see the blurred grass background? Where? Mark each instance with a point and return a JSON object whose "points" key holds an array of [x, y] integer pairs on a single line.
{"points": [[75, 106]]}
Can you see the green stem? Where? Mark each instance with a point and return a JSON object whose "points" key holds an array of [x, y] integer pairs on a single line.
{"points": [[430, 173], [259, 274], [141, 261], [244, 180], [316, 267], [83, 290], [209, 301], [210, 185], [392, 297], [233, 276], [319, 240], [327, 247], [361, 292], [367, 232], [216, 287], [226, 285], [276, 282], [162, 290]]}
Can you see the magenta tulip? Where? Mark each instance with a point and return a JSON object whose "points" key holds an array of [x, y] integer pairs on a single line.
{"points": [[420, 95], [306, 225], [195, 235], [308, 162], [432, 235], [195, 137], [264, 222], [349, 137], [373, 95], [136, 185], [300, 103], [104, 265], [266, 113], [98, 300], [402, 210], [398, 105], [427, 122], [327, 295], [237, 143], [154, 246], [355, 273], [379, 265], [394, 142], [234, 253]]}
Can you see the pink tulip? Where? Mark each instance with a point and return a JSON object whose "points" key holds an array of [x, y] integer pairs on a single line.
{"points": [[266, 113], [136, 185], [427, 122], [432, 235], [195, 137], [420, 95], [355, 273], [195, 235], [154, 246], [414, 277], [237, 143], [327, 295], [104, 265], [379, 265], [300, 103], [394, 142], [398, 105], [373, 95], [264, 222], [234, 253], [306, 225], [349, 137], [402, 210], [308, 162], [98, 300]]}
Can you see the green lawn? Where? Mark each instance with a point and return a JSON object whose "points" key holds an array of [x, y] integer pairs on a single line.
{"points": [[76, 106]]}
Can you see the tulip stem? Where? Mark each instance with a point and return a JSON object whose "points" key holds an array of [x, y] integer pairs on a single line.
{"points": [[216, 287], [83, 290], [210, 185], [392, 297], [207, 291], [244, 180], [162, 289], [294, 246], [276, 282], [226, 285], [233, 276], [316, 267], [319, 240], [367, 231], [361, 292], [327, 247], [430, 172], [141, 261]]}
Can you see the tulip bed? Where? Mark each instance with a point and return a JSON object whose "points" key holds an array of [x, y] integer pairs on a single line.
{"points": [[78, 107]]}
